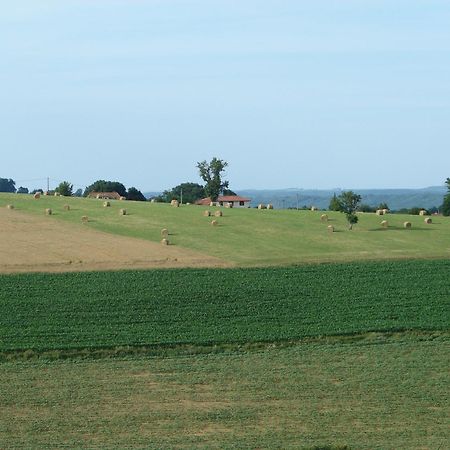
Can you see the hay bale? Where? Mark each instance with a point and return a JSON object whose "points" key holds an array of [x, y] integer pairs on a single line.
{"points": [[206, 213], [385, 211], [212, 204], [428, 220], [214, 223], [106, 204], [422, 212], [37, 195], [66, 207], [313, 208], [384, 223], [261, 206], [324, 218], [379, 212], [175, 203], [122, 198], [407, 225], [228, 205], [330, 228], [164, 241], [10, 206], [46, 193], [84, 219], [48, 211], [123, 212], [164, 232], [56, 194], [270, 206], [218, 214]]}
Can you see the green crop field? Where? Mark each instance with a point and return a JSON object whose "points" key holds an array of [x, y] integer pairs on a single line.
{"points": [[203, 307], [250, 237]]}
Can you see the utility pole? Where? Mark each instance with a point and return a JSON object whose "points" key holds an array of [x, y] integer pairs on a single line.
{"points": [[181, 196], [48, 184], [297, 201]]}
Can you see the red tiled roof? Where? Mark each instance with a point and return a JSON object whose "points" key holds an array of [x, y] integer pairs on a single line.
{"points": [[222, 198]]}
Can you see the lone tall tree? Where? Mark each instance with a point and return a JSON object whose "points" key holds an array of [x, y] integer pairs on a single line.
{"points": [[211, 175], [348, 204]]}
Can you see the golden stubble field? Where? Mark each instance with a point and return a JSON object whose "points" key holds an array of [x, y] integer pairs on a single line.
{"points": [[29, 243]]}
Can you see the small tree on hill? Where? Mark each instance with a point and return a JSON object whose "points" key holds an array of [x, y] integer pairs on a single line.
{"points": [[348, 204], [211, 174], [106, 186], [7, 185], [136, 195], [334, 203], [446, 204], [65, 189]]}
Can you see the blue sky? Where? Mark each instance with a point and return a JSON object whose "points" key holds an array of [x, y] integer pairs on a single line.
{"points": [[309, 94]]}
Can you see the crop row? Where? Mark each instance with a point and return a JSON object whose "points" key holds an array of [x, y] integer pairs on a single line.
{"points": [[205, 306]]}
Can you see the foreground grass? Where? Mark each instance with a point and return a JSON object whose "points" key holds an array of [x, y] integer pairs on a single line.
{"points": [[206, 306], [385, 396], [250, 237]]}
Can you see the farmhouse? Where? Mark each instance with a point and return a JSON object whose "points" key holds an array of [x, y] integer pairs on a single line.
{"points": [[232, 201], [105, 195]]}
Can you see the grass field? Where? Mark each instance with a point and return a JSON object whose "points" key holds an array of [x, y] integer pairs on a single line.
{"points": [[250, 237], [382, 396]]}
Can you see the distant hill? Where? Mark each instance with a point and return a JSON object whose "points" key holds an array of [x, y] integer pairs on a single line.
{"points": [[395, 198]]}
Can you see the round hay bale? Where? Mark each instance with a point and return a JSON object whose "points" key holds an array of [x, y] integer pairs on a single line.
{"points": [[56, 194], [228, 205], [313, 208], [98, 196], [261, 206], [330, 228], [324, 218], [218, 214], [10, 206], [164, 241], [214, 223], [422, 212], [407, 225], [379, 212], [37, 195], [175, 203], [385, 211], [270, 206], [84, 219], [164, 232], [206, 213], [48, 211], [384, 223], [66, 207], [122, 198], [428, 220], [46, 193], [106, 204], [123, 212], [211, 204]]}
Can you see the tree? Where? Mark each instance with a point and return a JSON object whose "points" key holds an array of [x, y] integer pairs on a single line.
{"points": [[35, 191], [446, 204], [7, 185], [22, 190], [65, 189], [78, 193], [106, 186], [348, 204], [334, 204], [210, 173], [191, 193], [136, 195]]}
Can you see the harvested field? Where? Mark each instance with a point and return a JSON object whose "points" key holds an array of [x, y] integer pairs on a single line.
{"points": [[41, 244]]}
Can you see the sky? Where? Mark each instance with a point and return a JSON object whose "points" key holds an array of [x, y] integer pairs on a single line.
{"points": [[291, 93]]}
